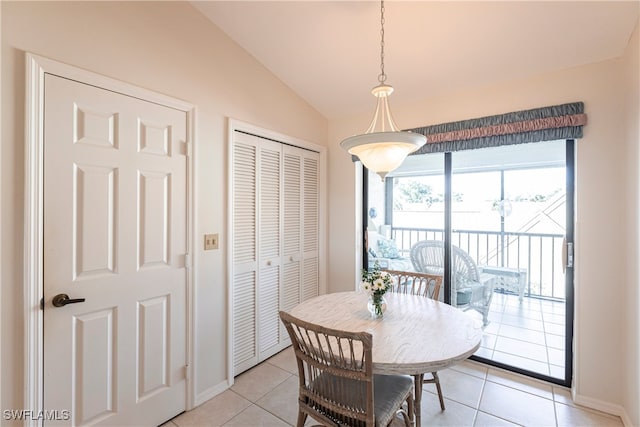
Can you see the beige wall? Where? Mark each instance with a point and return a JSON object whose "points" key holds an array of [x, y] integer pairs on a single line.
{"points": [[170, 48], [631, 296], [601, 235]]}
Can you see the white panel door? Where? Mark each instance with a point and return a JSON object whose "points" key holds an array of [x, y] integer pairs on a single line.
{"points": [[115, 202]]}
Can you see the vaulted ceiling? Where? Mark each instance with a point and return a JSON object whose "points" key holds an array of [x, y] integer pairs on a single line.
{"points": [[329, 51]]}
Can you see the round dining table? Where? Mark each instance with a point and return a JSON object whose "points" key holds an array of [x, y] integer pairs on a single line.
{"points": [[416, 335]]}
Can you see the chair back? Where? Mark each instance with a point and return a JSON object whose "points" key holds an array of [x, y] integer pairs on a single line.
{"points": [[414, 283], [427, 256], [335, 372]]}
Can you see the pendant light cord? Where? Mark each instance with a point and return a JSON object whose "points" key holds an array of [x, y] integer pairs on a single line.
{"points": [[382, 77], [383, 146]]}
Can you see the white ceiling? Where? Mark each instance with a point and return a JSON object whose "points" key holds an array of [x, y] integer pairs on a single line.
{"points": [[329, 51]]}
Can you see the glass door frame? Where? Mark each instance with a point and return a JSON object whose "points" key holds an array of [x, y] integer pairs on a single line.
{"points": [[569, 273]]}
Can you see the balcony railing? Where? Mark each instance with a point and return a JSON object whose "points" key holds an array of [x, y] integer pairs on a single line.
{"points": [[540, 254]]}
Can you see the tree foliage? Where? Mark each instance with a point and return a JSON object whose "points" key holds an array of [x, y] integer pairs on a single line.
{"points": [[416, 192]]}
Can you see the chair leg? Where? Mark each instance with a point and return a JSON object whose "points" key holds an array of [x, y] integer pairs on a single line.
{"points": [[411, 416], [302, 417], [436, 380]]}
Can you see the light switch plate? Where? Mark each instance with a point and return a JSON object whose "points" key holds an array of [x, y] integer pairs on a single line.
{"points": [[210, 241]]}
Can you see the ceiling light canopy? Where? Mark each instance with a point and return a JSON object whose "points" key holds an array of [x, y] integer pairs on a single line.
{"points": [[383, 147]]}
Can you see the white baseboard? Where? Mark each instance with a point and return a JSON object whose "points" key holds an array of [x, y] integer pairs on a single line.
{"points": [[211, 392], [606, 407]]}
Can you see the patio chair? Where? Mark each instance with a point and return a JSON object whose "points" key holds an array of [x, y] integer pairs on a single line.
{"points": [[426, 285], [471, 289], [337, 384], [385, 253]]}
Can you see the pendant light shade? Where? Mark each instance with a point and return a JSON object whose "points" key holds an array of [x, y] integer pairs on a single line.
{"points": [[383, 152], [383, 147]]}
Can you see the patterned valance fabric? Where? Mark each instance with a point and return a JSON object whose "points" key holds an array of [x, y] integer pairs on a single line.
{"points": [[541, 124]]}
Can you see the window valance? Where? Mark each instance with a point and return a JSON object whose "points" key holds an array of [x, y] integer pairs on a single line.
{"points": [[540, 124]]}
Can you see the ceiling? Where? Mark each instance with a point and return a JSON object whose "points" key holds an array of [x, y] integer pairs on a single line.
{"points": [[328, 52]]}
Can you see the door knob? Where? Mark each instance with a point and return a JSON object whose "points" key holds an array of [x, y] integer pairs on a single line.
{"points": [[61, 300]]}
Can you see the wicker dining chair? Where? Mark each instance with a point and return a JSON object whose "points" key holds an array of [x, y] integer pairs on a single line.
{"points": [[426, 285], [414, 283], [337, 384]]}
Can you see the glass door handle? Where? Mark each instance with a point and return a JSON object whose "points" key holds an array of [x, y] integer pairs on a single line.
{"points": [[567, 254]]}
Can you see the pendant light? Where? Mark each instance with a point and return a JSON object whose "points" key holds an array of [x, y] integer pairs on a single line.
{"points": [[383, 147]]}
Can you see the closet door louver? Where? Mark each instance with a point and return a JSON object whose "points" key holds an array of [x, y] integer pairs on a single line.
{"points": [[244, 255], [310, 221], [269, 257], [292, 228]]}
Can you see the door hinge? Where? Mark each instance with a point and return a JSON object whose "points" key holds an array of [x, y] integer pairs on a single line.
{"points": [[187, 260], [187, 373], [41, 303], [187, 149]]}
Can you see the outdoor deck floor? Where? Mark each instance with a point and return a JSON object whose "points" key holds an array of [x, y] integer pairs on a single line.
{"points": [[528, 335]]}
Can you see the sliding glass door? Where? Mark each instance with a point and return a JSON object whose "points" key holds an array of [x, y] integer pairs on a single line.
{"points": [[503, 216]]}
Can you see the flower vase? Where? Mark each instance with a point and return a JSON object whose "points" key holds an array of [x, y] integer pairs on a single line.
{"points": [[376, 305]]}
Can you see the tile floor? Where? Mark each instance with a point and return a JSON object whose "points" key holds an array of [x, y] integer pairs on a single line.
{"points": [[529, 335], [475, 395]]}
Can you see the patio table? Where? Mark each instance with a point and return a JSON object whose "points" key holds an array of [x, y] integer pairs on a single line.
{"points": [[416, 335], [506, 278]]}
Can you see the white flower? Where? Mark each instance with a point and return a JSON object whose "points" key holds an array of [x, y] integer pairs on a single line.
{"points": [[365, 286], [378, 284]]}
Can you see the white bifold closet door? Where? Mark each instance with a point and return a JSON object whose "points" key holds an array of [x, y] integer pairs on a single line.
{"points": [[275, 206]]}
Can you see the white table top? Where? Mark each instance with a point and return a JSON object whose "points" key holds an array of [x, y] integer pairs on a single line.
{"points": [[415, 336]]}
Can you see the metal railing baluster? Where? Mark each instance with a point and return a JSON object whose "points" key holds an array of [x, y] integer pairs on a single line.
{"points": [[486, 249]]}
